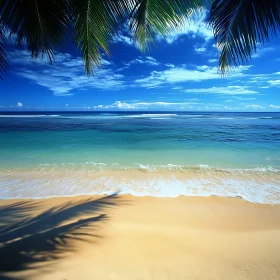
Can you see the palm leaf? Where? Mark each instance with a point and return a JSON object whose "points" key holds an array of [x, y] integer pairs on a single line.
{"points": [[150, 17], [3, 56], [40, 24], [95, 23], [239, 25]]}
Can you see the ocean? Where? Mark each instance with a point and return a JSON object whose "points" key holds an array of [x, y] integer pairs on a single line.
{"points": [[162, 154]]}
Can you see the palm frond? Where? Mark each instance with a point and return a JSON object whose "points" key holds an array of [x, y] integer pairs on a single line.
{"points": [[95, 23], [151, 17], [3, 56], [239, 25], [40, 24]]}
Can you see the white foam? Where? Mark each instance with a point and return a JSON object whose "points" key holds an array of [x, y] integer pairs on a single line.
{"points": [[152, 167], [159, 118], [22, 116], [149, 115], [159, 187], [27, 116], [159, 115], [169, 166], [225, 118], [260, 184], [190, 116]]}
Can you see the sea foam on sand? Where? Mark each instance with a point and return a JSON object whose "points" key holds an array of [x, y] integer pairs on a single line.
{"points": [[259, 185]]}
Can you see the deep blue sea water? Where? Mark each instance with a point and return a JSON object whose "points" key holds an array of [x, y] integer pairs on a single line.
{"points": [[143, 153]]}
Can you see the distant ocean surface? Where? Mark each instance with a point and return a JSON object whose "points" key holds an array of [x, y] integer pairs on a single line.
{"points": [[142, 153]]}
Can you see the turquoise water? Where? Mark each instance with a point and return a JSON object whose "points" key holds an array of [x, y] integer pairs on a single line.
{"points": [[186, 145]]}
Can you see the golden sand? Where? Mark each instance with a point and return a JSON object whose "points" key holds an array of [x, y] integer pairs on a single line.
{"points": [[126, 237]]}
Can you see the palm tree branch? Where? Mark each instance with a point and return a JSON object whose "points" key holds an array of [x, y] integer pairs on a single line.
{"points": [[95, 23], [3, 56], [152, 17], [239, 25], [41, 25]]}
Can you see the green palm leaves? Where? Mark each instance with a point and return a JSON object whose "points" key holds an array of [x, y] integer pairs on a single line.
{"points": [[41, 25], [3, 57], [45, 25], [95, 23], [239, 25], [151, 17]]}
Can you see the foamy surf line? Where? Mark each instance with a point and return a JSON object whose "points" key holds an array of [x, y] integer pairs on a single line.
{"points": [[27, 116], [259, 186], [151, 116]]}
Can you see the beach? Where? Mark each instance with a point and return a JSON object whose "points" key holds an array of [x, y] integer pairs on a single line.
{"points": [[128, 237], [121, 161], [145, 195]]}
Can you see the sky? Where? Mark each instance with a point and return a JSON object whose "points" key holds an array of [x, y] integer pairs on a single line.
{"points": [[178, 73]]}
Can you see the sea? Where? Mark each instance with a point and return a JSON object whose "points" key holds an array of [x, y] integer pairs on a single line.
{"points": [[164, 154]]}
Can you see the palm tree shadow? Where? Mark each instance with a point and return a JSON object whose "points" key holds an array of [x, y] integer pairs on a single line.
{"points": [[11, 213], [29, 243]]}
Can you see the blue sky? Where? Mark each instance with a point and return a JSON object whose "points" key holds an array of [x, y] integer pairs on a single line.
{"points": [[177, 73]]}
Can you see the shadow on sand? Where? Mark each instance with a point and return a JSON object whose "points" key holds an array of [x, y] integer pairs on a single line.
{"points": [[28, 242]]}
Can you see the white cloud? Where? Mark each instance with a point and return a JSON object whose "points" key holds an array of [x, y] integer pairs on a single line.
{"points": [[170, 65], [274, 82], [19, 104], [244, 98], [119, 105], [200, 50], [181, 74], [152, 61], [253, 106], [229, 90], [119, 38], [148, 60], [213, 60], [105, 62], [66, 74], [194, 27], [274, 106], [264, 80]]}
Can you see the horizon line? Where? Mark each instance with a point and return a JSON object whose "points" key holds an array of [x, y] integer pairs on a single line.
{"points": [[129, 111]]}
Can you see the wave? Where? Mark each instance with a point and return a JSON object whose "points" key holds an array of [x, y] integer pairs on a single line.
{"points": [[27, 116], [159, 118], [22, 116], [154, 167], [135, 116], [238, 118], [225, 118], [197, 117], [149, 115], [45, 182], [259, 184]]}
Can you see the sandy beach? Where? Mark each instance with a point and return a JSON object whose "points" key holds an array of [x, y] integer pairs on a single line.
{"points": [[126, 237]]}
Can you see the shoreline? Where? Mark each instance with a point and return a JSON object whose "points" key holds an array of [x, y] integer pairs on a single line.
{"points": [[125, 237], [4, 201], [259, 187]]}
